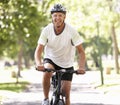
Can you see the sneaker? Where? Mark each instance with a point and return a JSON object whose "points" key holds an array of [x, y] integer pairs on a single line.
{"points": [[45, 102]]}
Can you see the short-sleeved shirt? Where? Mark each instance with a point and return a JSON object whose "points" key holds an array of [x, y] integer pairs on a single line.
{"points": [[60, 48]]}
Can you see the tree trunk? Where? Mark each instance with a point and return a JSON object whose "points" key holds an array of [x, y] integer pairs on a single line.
{"points": [[27, 61], [20, 54], [115, 48]]}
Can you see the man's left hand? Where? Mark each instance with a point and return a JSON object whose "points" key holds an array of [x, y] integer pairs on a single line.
{"points": [[80, 71]]}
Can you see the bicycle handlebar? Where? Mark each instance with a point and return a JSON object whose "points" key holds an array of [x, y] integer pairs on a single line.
{"points": [[58, 71]]}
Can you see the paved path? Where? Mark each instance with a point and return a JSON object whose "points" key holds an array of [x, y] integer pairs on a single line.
{"points": [[83, 91]]}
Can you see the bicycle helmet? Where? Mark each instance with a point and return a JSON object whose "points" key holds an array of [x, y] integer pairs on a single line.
{"points": [[58, 8]]}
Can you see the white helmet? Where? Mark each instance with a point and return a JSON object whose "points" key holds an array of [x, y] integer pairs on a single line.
{"points": [[58, 8]]}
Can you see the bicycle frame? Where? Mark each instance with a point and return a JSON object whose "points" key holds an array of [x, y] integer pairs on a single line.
{"points": [[57, 93]]}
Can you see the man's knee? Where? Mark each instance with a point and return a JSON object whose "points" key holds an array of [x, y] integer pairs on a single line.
{"points": [[66, 87], [48, 65], [47, 75]]}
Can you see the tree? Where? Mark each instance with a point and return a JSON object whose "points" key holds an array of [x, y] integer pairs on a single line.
{"points": [[21, 24], [22, 21], [114, 20], [83, 16]]}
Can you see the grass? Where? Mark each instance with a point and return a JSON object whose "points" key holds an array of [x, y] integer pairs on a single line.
{"points": [[9, 82], [113, 89], [15, 87], [111, 83], [107, 86]]}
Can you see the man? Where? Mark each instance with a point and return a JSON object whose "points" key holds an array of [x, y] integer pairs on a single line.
{"points": [[59, 40]]}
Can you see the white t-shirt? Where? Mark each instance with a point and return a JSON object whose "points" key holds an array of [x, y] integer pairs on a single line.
{"points": [[59, 48]]}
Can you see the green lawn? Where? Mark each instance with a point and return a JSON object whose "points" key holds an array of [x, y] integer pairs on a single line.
{"points": [[15, 87]]}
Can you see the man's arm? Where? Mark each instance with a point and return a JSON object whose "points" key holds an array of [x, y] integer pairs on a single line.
{"points": [[81, 53], [38, 57]]}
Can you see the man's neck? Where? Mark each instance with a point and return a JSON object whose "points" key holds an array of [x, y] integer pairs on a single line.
{"points": [[60, 29]]}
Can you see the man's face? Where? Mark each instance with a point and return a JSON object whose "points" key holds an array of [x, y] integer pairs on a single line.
{"points": [[58, 19]]}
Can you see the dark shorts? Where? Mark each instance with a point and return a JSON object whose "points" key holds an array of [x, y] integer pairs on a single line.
{"points": [[65, 76]]}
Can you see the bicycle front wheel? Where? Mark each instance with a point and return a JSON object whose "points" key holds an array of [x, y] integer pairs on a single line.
{"points": [[60, 102]]}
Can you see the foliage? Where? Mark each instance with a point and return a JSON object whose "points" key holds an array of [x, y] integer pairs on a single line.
{"points": [[84, 16], [22, 20]]}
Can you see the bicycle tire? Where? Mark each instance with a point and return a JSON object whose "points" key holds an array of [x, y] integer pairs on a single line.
{"points": [[53, 102], [60, 102]]}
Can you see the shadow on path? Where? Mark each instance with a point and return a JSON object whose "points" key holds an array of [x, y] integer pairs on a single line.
{"points": [[32, 95], [34, 87]]}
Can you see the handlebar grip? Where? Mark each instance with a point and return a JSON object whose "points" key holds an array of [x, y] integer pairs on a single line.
{"points": [[45, 70], [39, 69]]}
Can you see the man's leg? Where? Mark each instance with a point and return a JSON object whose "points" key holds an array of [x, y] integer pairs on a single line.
{"points": [[46, 84], [46, 81], [66, 87]]}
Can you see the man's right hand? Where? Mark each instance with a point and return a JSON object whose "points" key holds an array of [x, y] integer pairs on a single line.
{"points": [[40, 68]]}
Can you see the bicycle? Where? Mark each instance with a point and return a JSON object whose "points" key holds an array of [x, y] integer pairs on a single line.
{"points": [[58, 96]]}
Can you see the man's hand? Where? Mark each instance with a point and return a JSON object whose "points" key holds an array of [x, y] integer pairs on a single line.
{"points": [[40, 68], [81, 71]]}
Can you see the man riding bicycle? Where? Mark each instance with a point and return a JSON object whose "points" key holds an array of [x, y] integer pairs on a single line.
{"points": [[59, 40]]}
